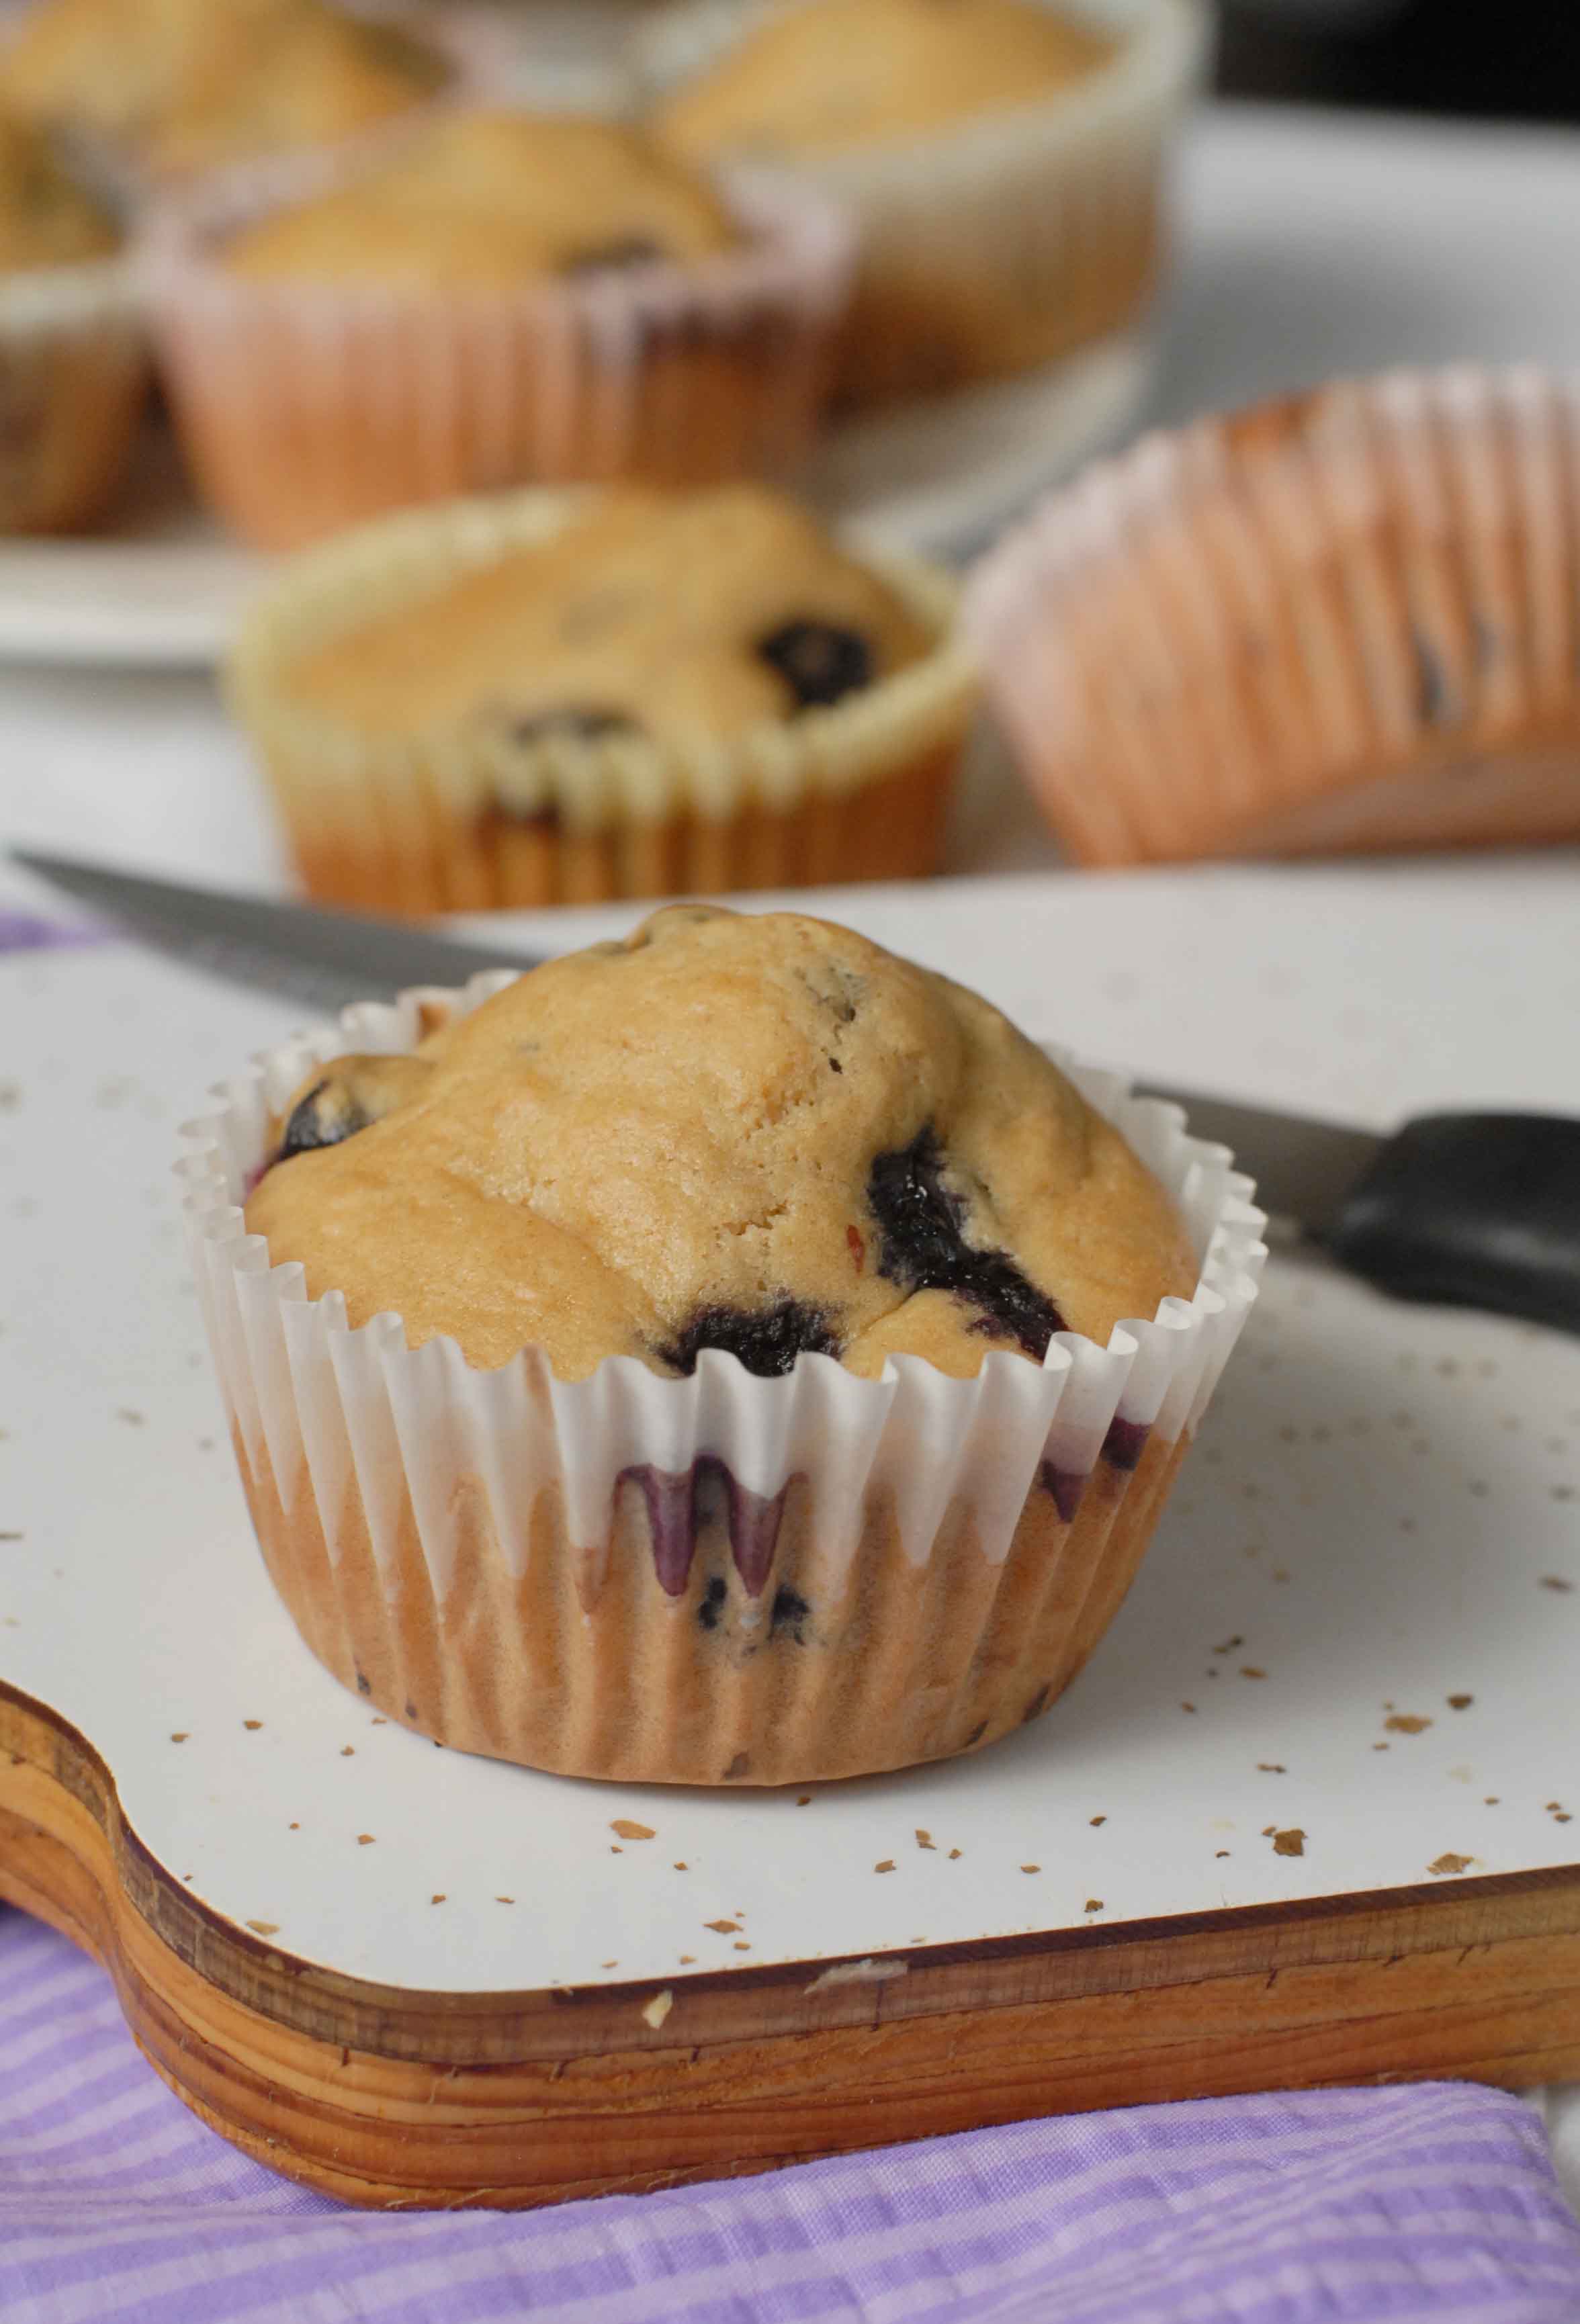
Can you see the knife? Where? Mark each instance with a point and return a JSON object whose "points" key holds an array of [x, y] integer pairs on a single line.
{"points": [[1478, 1210]]}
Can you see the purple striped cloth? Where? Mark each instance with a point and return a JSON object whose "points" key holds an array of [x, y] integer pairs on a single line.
{"points": [[1335, 2207]]}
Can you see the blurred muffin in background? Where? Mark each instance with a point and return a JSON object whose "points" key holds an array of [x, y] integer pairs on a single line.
{"points": [[563, 697], [73, 372], [1002, 158], [176, 85], [1345, 620], [494, 299]]}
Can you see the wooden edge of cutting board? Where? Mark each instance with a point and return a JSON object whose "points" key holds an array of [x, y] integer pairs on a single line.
{"points": [[388, 2097]]}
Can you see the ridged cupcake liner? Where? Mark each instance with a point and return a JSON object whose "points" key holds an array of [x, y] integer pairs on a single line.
{"points": [[1005, 242], [721, 1579], [466, 820], [305, 407], [1347, 620], [73, 376]]}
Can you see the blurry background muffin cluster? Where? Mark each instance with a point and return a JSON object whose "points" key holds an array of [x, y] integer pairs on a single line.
{"points": [[518, 344]]}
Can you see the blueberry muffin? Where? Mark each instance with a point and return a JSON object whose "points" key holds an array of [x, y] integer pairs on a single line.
{"points": [[631, 693], [496, 200], [614, 1156], [71, 364], [831, 75], [729, 1331], [494, 299], [176, 85], [1002, 157]]}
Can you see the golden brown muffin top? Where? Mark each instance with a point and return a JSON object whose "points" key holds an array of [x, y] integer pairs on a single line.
{"points": [[832, 74], [46, 217], [188, 84], [760, 1133], [684, 617], [496, 198]]}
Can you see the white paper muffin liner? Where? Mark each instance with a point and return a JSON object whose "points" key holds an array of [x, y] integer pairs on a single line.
{"points": [[1006, 241], [454, 1542], [472, 820], [1344, 620], [306, 406], [73, 371]]}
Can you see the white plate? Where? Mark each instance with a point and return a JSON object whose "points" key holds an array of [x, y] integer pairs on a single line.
{"points": [[165, 589]]}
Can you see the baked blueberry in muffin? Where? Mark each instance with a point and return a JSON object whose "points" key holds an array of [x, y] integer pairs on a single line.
{"points": [[758, 1134]]}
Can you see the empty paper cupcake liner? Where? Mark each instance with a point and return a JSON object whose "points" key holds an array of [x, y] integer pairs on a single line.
{"points": [[73, 373], [474, 818], [1344, 619], [1008, 240], [720, 1579], [304, 406]]}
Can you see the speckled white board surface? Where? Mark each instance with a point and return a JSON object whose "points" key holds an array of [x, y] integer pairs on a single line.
{"points": [[1359, 1623]]}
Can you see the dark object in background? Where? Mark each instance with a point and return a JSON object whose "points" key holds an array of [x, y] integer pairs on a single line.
{"points": [[1518, 60]]}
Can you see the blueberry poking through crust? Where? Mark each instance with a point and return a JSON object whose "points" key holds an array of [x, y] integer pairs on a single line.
{"points": [[923, 1248], [325, 1115], [766, 1340], [348, 1095], [820, 662]]}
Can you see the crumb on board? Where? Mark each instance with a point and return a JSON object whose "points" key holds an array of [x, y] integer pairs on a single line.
{"points": [[886, 1866], [265, 1927], [251, 1725], [1406, 1722], [681, 1865], [1031, 1867], [741, 1946], [624, 1828], [955, 1853], [1252, 1670], [1460, 1701], [511, 1900], [180, 1735], [1229, 1647], [724, 1928], [1448, 1862], [1094, 1904], [1292, 1842], [1220, 1851], [1272, 1767], [348, 1750], [1557, 1582], [687, 1960], [438, 1896], [364, 1839], [655, 2011], [804, 1801], [1188, 1706], [924, 1838], [614, 1964], [1096, 1820]]}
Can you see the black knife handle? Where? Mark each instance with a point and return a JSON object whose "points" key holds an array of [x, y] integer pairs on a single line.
{"points": [[1482, 1210]]}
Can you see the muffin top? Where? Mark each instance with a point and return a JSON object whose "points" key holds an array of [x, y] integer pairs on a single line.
{"points": [[684, 618], [188, 84], [828, 75], [496, 198], [46, 217], [759, 1133]]}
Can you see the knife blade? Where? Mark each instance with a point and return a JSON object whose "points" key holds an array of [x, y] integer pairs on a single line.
{"points": [[1478, 1210]]}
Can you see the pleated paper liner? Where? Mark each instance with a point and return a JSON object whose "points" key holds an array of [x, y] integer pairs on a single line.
{"points": [[468, 820], [307, 406], [721, 1579], [73, 377], [1005, 242], [1349, 620]]}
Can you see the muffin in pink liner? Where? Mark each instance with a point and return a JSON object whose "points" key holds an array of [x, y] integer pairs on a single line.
{"points": [[387, 366], [835, 1531], [1345, 620]]}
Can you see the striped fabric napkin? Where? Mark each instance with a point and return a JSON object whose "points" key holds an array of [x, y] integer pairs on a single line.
{"points": [[1335, 2206]]}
